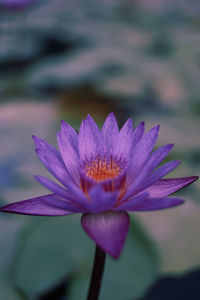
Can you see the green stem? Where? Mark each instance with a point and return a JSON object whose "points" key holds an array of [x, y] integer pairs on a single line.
{"points": [[97, 274]]}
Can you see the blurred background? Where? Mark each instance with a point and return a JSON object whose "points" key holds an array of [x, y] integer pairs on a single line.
{"points": [[62, 59]]}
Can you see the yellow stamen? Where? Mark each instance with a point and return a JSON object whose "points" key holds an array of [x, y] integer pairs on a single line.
{"points": [[101, 169]]}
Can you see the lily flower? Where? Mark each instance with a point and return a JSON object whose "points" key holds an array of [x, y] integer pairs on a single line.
{"points": [[104, 173]]}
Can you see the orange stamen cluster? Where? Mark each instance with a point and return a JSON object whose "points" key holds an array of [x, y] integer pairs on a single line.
{"points": [[101, 169]]}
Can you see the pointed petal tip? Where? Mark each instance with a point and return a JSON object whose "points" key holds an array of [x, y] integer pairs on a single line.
{"points": [[190, 180], [155, 130], [170, 203], [173, 163], [37, 207], [3, 208], [89, 117], [175, 202], [111, 115], [39, 178], [180, 201], [12, 209], [152, 134], [141, 124], [108, 230], [129, 123], [38, 141], [34, 138], [153, 204], [177, 162], [63, 124], [129, 120], [91, 121], [168, 186], [139, 130], [110, 123], [194, 178], [167, 148], [170, 146], [36, 177]]}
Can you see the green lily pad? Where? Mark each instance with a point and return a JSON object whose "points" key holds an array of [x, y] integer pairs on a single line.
{"points": [[53, 248], [10, 228]]}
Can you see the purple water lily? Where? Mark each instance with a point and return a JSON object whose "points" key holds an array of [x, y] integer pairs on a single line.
{"points": [[104, 173]]}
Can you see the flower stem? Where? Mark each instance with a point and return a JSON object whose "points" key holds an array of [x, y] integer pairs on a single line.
{"points": [[97, 274]]}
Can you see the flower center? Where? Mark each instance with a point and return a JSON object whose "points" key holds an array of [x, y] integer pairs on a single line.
{"points": [[102, 169]]}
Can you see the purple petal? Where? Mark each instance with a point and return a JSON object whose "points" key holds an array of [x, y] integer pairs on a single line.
{"points": [[161, 172], [110, 131], [54, 187], [90, 139], [78, 195], [123, 143], [70, 135], [52, 160], [155, 158], [137, 134], [143, 182], [68, 145], [128, 204], [142, 150], [100, 200], [108, 230], [60, 202], [37, 207], [155, 204], [165, 187]]}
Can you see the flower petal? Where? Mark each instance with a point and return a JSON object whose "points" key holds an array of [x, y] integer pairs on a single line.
{"points": [[161, 172], [54, 187], [165, 187], [37, 207], [142, 150], [127, 204], [108, 230], [155, 204], [52, 160], [68, 145], [137, 134], [90, 139], [123, 143], [143, 182], [157, 157], [101, 200], [154, 159], [110, 131], [59, 202], [70, 135]]}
